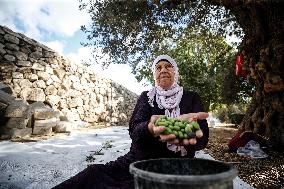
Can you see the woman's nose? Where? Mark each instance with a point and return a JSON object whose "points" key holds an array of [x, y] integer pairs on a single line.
{"points": [[164, 69]]}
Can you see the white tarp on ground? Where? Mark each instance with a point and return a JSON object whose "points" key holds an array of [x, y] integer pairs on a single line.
{"points": [[46, 163]]}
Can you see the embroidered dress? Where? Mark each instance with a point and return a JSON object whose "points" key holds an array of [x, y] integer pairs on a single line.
{"points": [[115, 174]]}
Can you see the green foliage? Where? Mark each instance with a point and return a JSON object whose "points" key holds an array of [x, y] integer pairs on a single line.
{"points": [[232, 113], [202, 58], [192, 31], [222, 114], [131, 31], [234, 89], [236, 118]]}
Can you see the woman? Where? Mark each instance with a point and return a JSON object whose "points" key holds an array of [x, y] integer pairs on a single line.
{"points": [[166, 98]]}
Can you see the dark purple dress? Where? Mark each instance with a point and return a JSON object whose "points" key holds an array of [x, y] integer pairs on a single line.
{"points": [[115, 174]]}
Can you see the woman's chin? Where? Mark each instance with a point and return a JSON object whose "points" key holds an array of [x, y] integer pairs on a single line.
{"points": [[165, 86]]}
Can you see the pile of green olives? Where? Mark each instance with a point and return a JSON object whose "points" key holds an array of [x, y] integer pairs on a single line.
{"points": [[183, 129]]}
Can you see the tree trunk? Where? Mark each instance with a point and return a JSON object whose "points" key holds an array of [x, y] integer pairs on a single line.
{"points": [[262, 22]]}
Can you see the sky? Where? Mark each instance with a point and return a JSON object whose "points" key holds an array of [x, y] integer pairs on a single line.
{"points": [[56, 23]]}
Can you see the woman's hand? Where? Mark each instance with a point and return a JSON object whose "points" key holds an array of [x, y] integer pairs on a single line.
{"points": [[171, 138], [193, 116], [158, 130], [183, 142]]}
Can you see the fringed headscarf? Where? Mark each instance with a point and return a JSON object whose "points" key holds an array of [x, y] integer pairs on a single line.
{"points": [[167, 99]]}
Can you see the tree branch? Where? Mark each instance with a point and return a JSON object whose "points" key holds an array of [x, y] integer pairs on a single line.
{"points": [[231, 3]]}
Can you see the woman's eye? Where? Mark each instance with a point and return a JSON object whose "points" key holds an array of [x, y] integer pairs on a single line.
{"points": [[168, 66]]}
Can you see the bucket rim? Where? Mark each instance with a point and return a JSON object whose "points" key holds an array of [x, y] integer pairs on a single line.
{"points": [[184, 179]]}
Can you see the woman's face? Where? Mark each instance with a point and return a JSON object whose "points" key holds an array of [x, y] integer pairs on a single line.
{"points": [[164, 74]]}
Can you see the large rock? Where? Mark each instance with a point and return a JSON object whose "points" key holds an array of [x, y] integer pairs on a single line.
{"points": [[51, 122], [53, 100], [44, 127], [45, 113], [12, 38], [9, 57], [3, 108], [3, 120], [72, 115], [17, 108], [36, 94], [42, 131], [24, 63], [43, 75], [13, 133], [50, 90], [36, 105], [63, 127], [6, 98], [75, 102], [5, 88], [39, 84], [17, 122], [59, 73]]}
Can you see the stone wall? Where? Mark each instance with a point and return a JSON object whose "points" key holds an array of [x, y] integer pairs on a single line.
{"points": [[35, 72]]}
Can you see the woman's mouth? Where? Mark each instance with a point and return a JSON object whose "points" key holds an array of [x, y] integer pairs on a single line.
{"points": [[164, 76]]}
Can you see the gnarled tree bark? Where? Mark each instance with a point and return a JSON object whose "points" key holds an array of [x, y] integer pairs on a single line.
{"points": [[263, 25]]}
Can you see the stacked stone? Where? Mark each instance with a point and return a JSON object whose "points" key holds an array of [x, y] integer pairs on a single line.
{"points": [[19, 119], [37, 73], [43, 118], [14, 116], [18, 124], [117, 109]]}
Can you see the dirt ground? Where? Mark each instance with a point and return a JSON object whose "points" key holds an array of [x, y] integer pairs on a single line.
{"points": [[259, 173]]}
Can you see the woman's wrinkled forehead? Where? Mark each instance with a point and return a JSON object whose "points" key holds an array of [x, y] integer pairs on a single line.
{"points": [[163, 60], [168, 59]]}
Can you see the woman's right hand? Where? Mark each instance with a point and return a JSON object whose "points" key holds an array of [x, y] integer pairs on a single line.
{"points": [[158, 130]]}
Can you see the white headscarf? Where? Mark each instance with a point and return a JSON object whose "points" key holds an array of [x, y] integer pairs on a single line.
{"points": [[167, 99]]}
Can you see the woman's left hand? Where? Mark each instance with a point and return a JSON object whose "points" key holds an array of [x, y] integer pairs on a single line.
{"points": [[193, 116], [190, 117], [183, 142]]}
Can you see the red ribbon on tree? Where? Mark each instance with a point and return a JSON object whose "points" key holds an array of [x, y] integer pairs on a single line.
{"points": [[239, 66]]}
